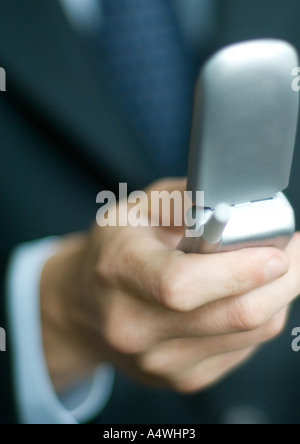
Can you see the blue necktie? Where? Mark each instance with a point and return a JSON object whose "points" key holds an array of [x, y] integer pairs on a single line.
{"points": [[152, 74]]}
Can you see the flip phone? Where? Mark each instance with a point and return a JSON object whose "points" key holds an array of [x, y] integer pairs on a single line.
{"points": [[242, 143]]}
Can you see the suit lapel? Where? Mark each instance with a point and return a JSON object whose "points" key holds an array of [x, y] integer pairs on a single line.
{"points": [[50, 64]]}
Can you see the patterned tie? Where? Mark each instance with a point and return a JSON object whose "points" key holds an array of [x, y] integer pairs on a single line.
{"points": [[152, 74]]}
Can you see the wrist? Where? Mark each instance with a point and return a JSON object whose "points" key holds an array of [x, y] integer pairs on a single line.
{"points": [[66, 337]]}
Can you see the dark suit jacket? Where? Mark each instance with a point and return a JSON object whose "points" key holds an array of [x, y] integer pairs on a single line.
{"points": [[63, 138]]}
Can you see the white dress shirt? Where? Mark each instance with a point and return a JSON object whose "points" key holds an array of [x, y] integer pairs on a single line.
{"points": [[36, 398]]}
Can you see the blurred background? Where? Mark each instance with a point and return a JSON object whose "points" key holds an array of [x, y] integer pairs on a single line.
{"points": [[72, 124]]}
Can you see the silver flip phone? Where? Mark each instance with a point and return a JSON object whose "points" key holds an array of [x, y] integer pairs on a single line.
{"points": [[243, 136]]}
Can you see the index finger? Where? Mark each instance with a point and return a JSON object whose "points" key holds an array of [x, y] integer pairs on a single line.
{"points": [[183, 282]]}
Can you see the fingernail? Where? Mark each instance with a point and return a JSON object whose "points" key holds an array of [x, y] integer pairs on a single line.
{"points": [[276, 268]]}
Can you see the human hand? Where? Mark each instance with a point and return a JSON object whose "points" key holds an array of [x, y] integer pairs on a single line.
{"points": [[125, 296]]}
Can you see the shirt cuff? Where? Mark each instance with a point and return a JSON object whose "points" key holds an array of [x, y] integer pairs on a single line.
{"points": [[37, 400]]}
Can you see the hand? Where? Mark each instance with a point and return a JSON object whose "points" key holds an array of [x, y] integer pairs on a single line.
{"points": [[125, 296]]}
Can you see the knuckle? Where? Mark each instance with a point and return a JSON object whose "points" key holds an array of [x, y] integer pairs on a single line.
{"points": [[145, 363], [241, 317], [122, 342], [149, 363], [184, 388], [115, 261], [173, 291], [124, 335], [104, 271], [188, 386], [275, 326], [128, 253], [236, 284]]}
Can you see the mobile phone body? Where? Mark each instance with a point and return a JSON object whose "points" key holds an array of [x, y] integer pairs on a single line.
{"points": [[242, 142]]}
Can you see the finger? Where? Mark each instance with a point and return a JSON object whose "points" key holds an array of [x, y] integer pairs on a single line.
{"points": [[258, 306], [137, 262], [178, 355], [210, 371], [245, 312]]}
